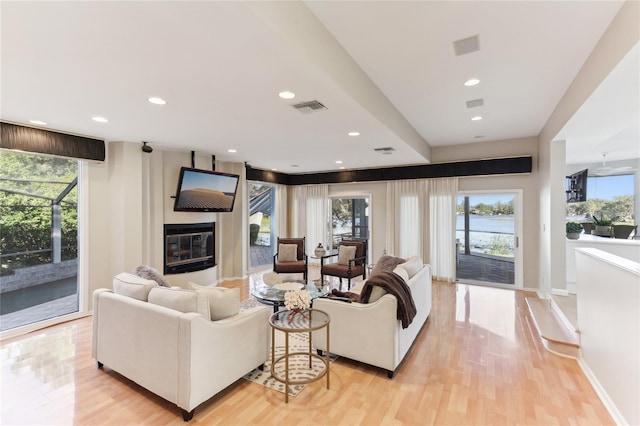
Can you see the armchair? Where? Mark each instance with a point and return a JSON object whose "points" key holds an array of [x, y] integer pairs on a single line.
{"points": [[346, 267], [291, 261]]}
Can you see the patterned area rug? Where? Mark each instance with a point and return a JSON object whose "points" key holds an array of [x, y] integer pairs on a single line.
{"points": [[298, 365]]}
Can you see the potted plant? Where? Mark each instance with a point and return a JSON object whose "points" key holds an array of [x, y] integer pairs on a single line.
{"points": [[603, 226], [573, 230]]}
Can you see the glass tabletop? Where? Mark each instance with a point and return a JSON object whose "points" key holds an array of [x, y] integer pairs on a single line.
{"points": [[305, 320], [275, 294]]}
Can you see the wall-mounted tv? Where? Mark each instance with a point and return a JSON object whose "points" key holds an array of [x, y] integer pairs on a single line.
{"points": [[576, 187], [205, 191]]}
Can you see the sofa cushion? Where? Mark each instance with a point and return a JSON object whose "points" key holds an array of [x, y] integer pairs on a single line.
{"points": [[150, 273], [180, 300], [387, 263], [287, 252], [376, 292], [133, 286], [345, 254], [412, 265], [402, 272], [223, 302]]}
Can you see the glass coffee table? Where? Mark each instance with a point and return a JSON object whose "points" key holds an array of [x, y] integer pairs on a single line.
{"points": [[274, 295]]}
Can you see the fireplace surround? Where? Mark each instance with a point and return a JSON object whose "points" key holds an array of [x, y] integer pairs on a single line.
{"points": [[189, 247]]}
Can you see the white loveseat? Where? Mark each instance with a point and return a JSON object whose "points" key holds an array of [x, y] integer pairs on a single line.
{"points": [[185, 358], [371, 333]]}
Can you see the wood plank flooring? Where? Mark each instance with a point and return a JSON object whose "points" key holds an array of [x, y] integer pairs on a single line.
{"points": [[478, 360]]}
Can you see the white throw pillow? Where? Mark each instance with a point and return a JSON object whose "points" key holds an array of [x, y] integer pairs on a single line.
{"points": [[180, 300], [287, 252], [133, 286], [345, 254], [412, 265], [223, 302], [399, 270]]}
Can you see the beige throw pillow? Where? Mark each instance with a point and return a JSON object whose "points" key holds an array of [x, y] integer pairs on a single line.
{"points": [[412, 265], [223, 302], [180, 300], [133, 286], [287, 252], [399, 270], [345, 254]]}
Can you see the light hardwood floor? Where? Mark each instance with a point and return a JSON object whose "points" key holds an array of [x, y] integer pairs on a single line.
{"points": [[478, 360]]}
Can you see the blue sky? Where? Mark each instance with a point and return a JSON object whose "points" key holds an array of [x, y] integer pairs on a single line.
{"points": [[208, 181], [608, 187]]}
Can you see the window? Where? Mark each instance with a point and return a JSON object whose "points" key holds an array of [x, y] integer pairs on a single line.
{"points": [[611, 197], [38, 238]]}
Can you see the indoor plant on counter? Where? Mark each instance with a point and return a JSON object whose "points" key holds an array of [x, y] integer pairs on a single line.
{"points": [[603, 226], [573, 230]]}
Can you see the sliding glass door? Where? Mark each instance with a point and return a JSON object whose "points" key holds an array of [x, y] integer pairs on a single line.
{"points": [[261, 220], [487, 239]]}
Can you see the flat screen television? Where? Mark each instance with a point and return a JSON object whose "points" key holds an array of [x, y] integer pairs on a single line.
{"points": [[205, 191], [576, 187]]}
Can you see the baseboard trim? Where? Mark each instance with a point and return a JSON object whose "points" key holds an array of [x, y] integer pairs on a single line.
{"points": [[559, 292], [601, 392]]}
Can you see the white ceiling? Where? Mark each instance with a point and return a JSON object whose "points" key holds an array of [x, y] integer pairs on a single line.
{"points": [[385, 69]]}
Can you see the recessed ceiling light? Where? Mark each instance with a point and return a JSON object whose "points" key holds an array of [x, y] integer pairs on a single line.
{"points": [[157, 101], [338, 161], [38, 122], [99, 119], [232, 151], [476, 118], [342, 167], [471, 82], [287, 95], [274, 170], [354, 133]]}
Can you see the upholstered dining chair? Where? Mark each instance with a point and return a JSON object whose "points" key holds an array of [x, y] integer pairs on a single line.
{"points": [[349, 262], [291, 257], [623, 231]]}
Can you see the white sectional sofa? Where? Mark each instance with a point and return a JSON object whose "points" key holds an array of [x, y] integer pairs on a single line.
{"points": [[184, 357], [371, 333]]}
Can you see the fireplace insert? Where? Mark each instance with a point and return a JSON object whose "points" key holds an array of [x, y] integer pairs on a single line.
{"points": [[189, 247]]}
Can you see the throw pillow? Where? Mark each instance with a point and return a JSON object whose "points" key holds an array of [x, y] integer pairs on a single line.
{"points": [[180, 300], [150, 273], [376, 293], [402, 272], [133, 286], [345, 254], [287, 252], [387, 264], [223, 302], [412, 265]]}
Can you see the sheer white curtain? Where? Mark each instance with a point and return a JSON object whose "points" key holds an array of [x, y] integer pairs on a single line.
{"points": [[280, 228], [442, 209], [406, 224], [311, 214]]}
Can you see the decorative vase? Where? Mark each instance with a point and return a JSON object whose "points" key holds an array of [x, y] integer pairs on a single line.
{"points": [[294, 312], [573, 236], [320, 251]]}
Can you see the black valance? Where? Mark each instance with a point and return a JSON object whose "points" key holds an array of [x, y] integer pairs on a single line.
{"points": [[29, 139]]}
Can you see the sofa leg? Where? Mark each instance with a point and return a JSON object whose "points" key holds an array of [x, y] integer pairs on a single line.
{"points": [[100, 365], [390, 374], [320, 352], [261, 367], [187, 415]]}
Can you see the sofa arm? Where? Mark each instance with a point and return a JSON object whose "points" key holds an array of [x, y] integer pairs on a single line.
{"points": [[214, 354], [363, 332]]}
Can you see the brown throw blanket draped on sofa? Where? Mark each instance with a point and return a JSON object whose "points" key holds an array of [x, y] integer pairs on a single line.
{"points": [[391, 283]]}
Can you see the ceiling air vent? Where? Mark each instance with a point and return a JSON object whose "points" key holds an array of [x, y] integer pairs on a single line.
{"points": [[308, 107], [466, 45], [386, 150], [475, 103]]}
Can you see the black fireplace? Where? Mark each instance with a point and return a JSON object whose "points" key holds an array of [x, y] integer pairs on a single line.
{"points": [[189, 247]]}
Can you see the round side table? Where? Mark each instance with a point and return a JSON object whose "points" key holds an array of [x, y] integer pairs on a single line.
{"points": [[306, 321]]}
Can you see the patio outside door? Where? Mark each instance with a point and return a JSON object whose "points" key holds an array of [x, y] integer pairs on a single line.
{"points": [[487, 242]]}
